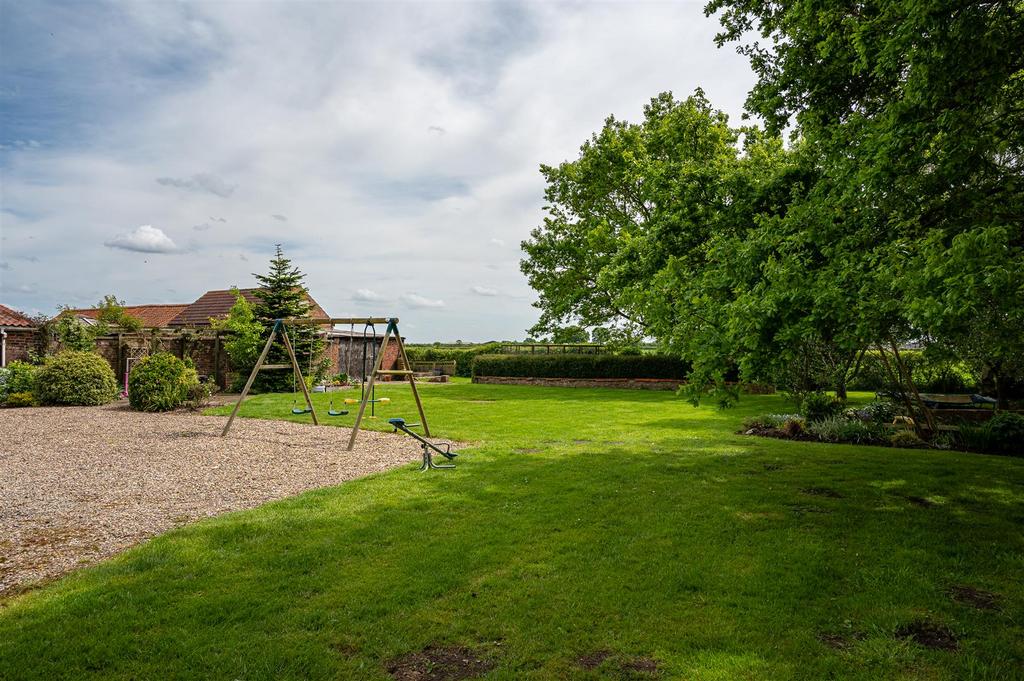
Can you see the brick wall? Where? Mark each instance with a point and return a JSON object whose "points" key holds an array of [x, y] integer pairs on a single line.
{"points": [[19, 343], [205, 350]]}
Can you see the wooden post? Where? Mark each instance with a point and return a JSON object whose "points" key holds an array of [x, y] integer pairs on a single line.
{"points": [[216, 360], [298, 375], [368, 390], [412, 382], [252, 377]]}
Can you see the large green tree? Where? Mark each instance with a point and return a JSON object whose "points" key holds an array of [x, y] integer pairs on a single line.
{"points": [[637, 197], [914, 114], [283, 295]]}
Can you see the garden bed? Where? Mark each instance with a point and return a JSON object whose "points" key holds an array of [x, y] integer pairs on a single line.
{"points": [[78, 484]]}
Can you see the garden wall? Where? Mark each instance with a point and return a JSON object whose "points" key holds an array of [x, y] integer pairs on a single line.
{"points": [[19, 344]]}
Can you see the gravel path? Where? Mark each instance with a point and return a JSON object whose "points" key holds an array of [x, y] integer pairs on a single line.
{"points": [[78, 484]]}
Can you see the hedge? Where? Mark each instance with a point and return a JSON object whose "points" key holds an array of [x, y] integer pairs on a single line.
{"points": [[581, 366], [463, 357], [75, 377]]}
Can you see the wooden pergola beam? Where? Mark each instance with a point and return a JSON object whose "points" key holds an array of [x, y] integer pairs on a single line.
{"points": [[338, 320]]}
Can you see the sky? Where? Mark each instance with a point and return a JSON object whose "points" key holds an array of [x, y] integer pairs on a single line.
{"points": [[156, 150]]}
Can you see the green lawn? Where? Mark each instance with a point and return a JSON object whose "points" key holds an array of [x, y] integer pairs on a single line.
{"points": [[580, 521]]}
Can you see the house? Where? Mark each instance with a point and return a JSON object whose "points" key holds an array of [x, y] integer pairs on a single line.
{"points": [[344, 346], [151, 316], [18, 336], [218, 303]]}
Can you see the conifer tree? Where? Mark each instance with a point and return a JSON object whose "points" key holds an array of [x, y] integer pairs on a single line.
{"points": [[283, 295]]}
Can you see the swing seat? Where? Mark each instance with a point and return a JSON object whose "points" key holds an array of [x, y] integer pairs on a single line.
{"points": [[333, 412], [300, 410], [349, 400]]}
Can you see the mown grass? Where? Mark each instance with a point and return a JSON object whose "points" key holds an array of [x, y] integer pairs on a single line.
{"points": [[580, 521]]}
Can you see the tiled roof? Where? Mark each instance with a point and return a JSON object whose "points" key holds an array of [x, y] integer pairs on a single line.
{"points": [[9, 317], [218, 304], [151, 316]]}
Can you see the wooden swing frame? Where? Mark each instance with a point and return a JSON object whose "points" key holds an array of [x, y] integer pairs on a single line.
{"points": [[281, 327]]}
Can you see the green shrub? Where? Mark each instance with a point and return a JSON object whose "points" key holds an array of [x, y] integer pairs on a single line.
{"points": [[772, 420], [1006, 433], [819, 406], [21, 377], [463, 357], [840, 429], [581, 366], [160, 382], [793, 427], [75, 377], [976, 437], [199, 394], [20, 399], [905, 438], [879, 411]]}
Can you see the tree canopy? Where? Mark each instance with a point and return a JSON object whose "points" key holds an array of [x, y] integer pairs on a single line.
{"points": [[894, 213]]}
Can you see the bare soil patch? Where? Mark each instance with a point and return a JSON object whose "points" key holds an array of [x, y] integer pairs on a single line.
{"points": [[840, 641], [641, 665], [929, 634], [976, 598], [79, 484], [593, 660], [440, 663]]}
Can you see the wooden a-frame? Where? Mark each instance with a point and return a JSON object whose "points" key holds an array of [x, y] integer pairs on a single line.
{"points": [[279, 327], [392, 328]]}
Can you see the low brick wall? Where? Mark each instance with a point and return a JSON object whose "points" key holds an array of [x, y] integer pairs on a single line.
{"points": [[20, 343], [625, 383]]}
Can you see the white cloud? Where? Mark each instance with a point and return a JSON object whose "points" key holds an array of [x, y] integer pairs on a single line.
{"points": [[366, 295], [202, 228], [484, 290], [246, 110], [144, 239], [278, 216], [418, 301]]}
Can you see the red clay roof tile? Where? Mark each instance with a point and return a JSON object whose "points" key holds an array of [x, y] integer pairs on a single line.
{"points": [[151, 316], [218, 304], [9, 317]]}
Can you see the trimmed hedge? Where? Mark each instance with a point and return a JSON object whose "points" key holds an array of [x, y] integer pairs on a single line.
{"points": [[75, 377], [463, 357], [581, 366], [160, 382]]}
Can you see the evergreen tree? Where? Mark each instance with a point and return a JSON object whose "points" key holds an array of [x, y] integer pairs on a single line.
{"points": [[283, 295]]}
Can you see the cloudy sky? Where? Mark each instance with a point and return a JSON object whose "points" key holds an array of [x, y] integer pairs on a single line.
{"points": [[156, 150]]}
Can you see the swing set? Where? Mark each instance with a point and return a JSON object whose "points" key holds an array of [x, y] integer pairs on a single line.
{"points": [[367, 392]]}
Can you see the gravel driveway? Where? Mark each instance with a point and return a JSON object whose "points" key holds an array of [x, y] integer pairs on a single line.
{"points": [[78, 484]]}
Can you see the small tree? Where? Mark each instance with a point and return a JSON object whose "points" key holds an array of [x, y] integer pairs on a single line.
{"points": [[244, 340], [110, 311], [71, 333], [283, 295]]}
